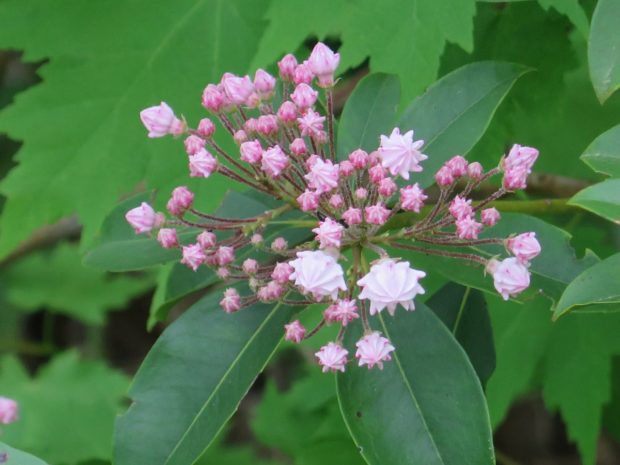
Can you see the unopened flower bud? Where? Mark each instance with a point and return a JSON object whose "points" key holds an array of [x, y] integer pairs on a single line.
{"points": [[167, 237], [352, 216], [489, 216], [279, 244], [251, 151], [359, 159], [206, 239], [475, 170], [193, 144], [287, 67], [302, 74], [161, 121], [193, 256], [294, 332], [264, 83], [180, 201], [206, 128], [231, 301], [202, 164], [298, 147], [304, 96], [287, 113]]}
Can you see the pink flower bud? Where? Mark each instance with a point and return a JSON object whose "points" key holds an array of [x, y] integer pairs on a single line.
{"points": [[213, 98], [510, 276], [9, 411], [167, 237], [412, 198], [279, 244], [374, 158], [475, 170], [323, 63], [520, 157], [387, 187], [302, 74], [359, 159], [206, 128], [311, 123], [320, 137], [336, 201], [225, 255], [444, 177], [515, 178], [143, 219], [251, 151], [250, 266], [524, 246], [323, 176], [250, 126], [373, 349], [206, 239], [376, 174], [223, 272], [294, 332], [329, 233], [332, 357], [460, 208], [256, 239], [287, 113], [352, 216], [458, 166], [161, 121], [287, 67], [361, 193], [304, 96], [180, 201], [264, 83], [468, 228], [346, 168], [376, 214], [274, 161], [271, 292], [193, 256], [202, 164], [240, 137], [490, 216], [193, 144], [237, 89], [231, 301], [298, 147], [211, 258], [311, 161], [281, 273], [267, 125], [308, 201], [342, 311]]}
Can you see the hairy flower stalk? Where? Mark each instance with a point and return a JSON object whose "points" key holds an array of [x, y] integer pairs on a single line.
{"points": [[287, 151]]}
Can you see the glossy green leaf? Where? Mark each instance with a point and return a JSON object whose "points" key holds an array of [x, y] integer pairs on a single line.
{"points": [[56, 280], [401, 415], [67, 410], [10, 456], [597, 289], [464, 312], [602, 198], [369, 112], [199, 369], [603, 154], [572, 10], [453, 113], [604, 49]]}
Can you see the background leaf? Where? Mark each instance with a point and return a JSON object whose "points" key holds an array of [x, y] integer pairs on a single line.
{"points": [[200, 369], [602, 198], [604, 49], [18, 457], [603, 154], [399, 415]]}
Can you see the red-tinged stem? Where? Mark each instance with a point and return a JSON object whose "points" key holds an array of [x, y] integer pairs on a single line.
{"points": [[316, 329], [443, 253], [224, 154], [459, 243], [330, 123], [226, 123], [224, 220], [207, 226], [500, 192]]}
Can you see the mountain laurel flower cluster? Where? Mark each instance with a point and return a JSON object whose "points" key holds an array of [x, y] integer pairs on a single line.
{"points": [[352, 206]]}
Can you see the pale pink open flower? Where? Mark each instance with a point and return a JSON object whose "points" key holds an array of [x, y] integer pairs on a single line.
{"points": [[294, 332], [323, 176], [510, 276], [9, 411], [318, 273], [390, 283], [323, 63], [329, 233], [373, 349], [143, 219], [524, 246], [332, 357], [161, 121], [400, 154], [311, 124]]}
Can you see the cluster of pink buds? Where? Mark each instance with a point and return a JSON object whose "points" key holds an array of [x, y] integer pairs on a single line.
{"points": [[9, 411], [287, 151]]}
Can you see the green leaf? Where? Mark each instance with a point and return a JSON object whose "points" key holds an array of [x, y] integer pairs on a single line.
{"points": [[85, 145], [368, 113], [604, 49], [57, 280], [464, 312], [572, 10], [399, 415], [453, 113], [18, 457], [67, 410], [597, 289], [602, 198], [603, 154], [199, 369], [419, 30]]}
